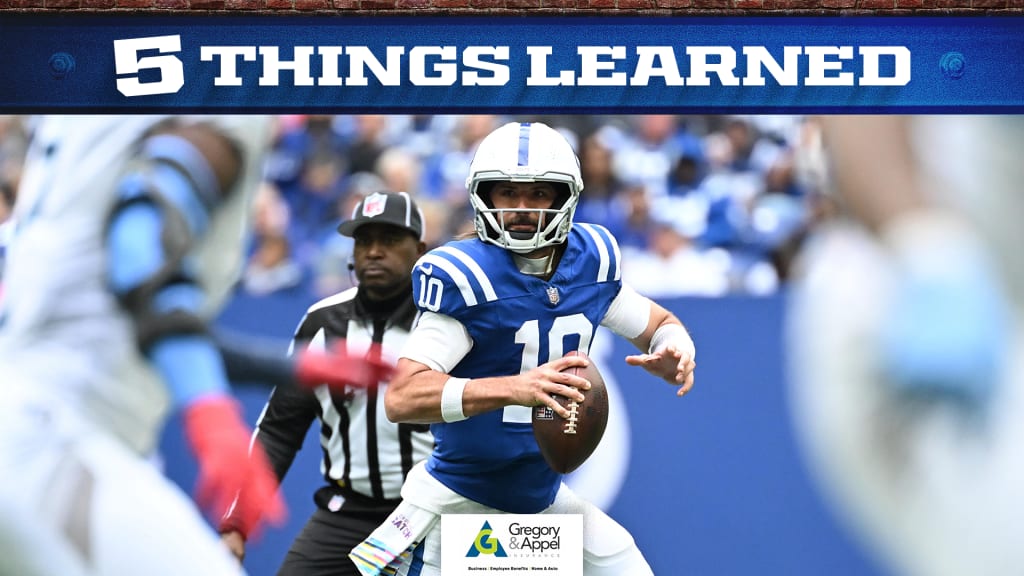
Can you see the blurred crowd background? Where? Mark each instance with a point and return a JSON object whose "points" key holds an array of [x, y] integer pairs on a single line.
{"points": [[702, 205]]}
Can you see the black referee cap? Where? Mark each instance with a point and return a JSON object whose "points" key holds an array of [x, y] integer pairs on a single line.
{"points": [[395, 208]]}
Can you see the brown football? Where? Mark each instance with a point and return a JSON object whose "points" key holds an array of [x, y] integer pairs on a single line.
{"points": [[567, 443]]}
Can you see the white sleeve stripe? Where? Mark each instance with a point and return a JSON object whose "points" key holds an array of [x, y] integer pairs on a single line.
{"points": [[343, 296], [610, 240], [291, 343], [485, 283], [618, 260], [319, 341], [602, 250], [456, 275]]}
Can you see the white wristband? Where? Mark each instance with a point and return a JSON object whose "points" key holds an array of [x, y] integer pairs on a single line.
{"points": [[673, 334], [451, 400]]}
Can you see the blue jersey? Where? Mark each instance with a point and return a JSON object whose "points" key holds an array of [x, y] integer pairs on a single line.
{"points": [[517, 322]]}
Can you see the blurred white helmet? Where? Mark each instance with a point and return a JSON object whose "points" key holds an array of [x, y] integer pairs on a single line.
{"points": [[524, 152]]}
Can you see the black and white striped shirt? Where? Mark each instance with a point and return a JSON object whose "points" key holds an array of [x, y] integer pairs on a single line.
{"points": [[363, 453]]}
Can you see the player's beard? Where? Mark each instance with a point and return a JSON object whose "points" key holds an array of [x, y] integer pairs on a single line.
{"points": [[524, 218]]}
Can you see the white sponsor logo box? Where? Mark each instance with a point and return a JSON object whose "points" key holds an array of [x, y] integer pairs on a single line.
{"points": [[474, 544]]}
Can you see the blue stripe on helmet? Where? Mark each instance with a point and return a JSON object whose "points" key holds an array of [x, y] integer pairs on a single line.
{"points": [[524, 144]]}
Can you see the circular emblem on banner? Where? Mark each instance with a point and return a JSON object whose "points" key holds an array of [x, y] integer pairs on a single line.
{"points": [[952, 64], [61, 64]]}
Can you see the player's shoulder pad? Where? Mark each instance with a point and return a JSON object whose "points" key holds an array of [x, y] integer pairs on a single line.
{"points": [[451, 278], [600, 252]]}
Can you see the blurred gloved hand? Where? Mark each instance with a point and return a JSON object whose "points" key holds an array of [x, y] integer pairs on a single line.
{"points": [[337, 368], [220, 441]]}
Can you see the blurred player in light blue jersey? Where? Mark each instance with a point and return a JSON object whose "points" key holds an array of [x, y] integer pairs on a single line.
{"points": [[905, 340], [129, 236], [497, 314]]}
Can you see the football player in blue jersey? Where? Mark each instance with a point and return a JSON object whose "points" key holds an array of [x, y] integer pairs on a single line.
{"points": [[497, 314]]}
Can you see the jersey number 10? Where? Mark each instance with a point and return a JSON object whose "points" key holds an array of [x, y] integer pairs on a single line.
{"points": [[529, 336]]}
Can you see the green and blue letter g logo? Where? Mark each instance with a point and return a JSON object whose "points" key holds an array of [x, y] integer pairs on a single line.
{"points": [[485, 544]]}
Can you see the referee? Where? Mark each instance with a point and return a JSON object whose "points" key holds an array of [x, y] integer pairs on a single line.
{"points": [[365, 457]]}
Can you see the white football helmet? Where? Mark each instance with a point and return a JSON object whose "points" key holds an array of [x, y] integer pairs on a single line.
{"points": [[525, 152]]}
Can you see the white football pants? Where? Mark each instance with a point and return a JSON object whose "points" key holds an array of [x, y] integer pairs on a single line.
{"points": [[75, 502]]}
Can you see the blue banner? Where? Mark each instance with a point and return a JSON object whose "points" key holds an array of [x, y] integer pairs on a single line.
{"points": [[254, 63]]}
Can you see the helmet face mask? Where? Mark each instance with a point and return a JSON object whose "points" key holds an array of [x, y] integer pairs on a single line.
{"points": [[524, 152]]}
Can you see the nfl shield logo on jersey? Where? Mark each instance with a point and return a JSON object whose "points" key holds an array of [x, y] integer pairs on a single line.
{"points": [[374, 204], [552, 295]]}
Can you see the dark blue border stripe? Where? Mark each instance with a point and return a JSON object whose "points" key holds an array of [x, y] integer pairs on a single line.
{"points": [[63, 63]]}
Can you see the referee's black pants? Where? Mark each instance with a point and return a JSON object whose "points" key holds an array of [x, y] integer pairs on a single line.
{"points": [[322, 547]]}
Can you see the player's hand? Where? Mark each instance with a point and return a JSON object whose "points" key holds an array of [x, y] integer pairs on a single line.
{"points": [[670, 364], [220, 441], [337, 368], [235, 543], [535, 387]]}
